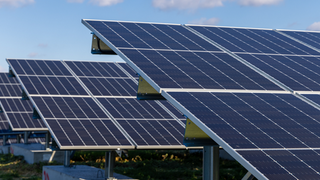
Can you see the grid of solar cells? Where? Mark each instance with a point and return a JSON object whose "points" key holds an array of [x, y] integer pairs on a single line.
{"points": [[20, 115], [176, 58], [300, 73], [72, 116], [270, 126], [78, 122], [145, 121], [41, 77], [258, 122], [17, 113], [285, 164], [254, 40], [311, 38], [286, 60]]}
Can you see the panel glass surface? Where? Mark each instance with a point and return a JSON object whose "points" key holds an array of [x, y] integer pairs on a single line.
{"points": [[285, 164], [297, 72], [77, 120], [197, 70], [254, 41], [311, 38], [256, 120]]}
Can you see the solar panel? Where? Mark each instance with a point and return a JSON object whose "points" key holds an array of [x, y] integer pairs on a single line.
{"points": [[244, 95], [19, 113], [254, 40], [262, 124], [15, 113], [308, 37], [87, 120]]}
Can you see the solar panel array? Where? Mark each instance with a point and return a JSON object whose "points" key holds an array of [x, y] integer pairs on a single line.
{"points": [[16, 114], [92, 105], [240, 86]]}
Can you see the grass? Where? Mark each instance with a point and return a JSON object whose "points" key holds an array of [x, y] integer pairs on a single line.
{"points": [[141, 164]]}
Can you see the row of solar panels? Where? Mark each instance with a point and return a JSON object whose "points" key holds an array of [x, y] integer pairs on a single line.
{"points": [[93, 105], [255, 92], [16, 114]]}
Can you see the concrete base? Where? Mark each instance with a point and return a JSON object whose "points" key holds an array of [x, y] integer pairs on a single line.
{"points": [[5, 149], [82, 172], [34, 153]]}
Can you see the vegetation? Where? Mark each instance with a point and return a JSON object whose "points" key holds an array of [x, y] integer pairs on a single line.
{"points": [[140, 164]]}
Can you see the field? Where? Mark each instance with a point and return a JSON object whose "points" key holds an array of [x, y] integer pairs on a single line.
{"points": [[141, 164]]}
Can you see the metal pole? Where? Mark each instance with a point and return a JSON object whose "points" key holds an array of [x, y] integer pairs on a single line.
{"points": [[110, 161], [47, 140], [248, 176], [4, 140], [67, 159], [26, 134], [210, 163], [18, 138]]}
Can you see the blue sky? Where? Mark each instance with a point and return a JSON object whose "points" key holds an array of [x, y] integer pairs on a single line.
{"points": [[52, 29]]}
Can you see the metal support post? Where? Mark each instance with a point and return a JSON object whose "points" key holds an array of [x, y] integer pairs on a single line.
{"points": [[110, 161], [4, 140], [248, 176], [210, 163], [26, 134], [18, 138], [66, 159], [47, 140]]}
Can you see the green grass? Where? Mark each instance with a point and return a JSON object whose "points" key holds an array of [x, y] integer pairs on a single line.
{"points": [[161, 164], [141, 164]]}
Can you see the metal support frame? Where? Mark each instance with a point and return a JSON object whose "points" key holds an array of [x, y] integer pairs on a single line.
{"points": [[110, 161], [66, 162], [248, 176], [4, 140], [47, 140], [18, 138], [210, 163], [26, 135]]}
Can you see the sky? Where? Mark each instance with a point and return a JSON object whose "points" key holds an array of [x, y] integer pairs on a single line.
{"points": [[52, 29]]}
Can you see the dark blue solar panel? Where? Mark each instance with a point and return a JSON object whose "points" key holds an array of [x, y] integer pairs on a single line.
{"points": [[10, 104], [155, 36], [197, 70], [298, 73], [266, 165], [10, 90], [267, 120], [52, 85], [254, 40], [129, 69], [310, 38], [38, 67], [4, 78], [110, 86]]}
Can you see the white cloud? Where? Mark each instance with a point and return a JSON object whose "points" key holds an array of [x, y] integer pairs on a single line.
{"points": [[186, 4], [205, 21], [105, 2], [75, 1], [314, 27], [15, 3], [33, 54], [42, 45], [259, 2]]}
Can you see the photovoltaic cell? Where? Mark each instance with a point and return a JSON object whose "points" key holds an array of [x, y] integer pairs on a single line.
{"points": [[20, 115], [310, 38], [297, 72], [274, 134], [70, 107], [254, 40]]}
